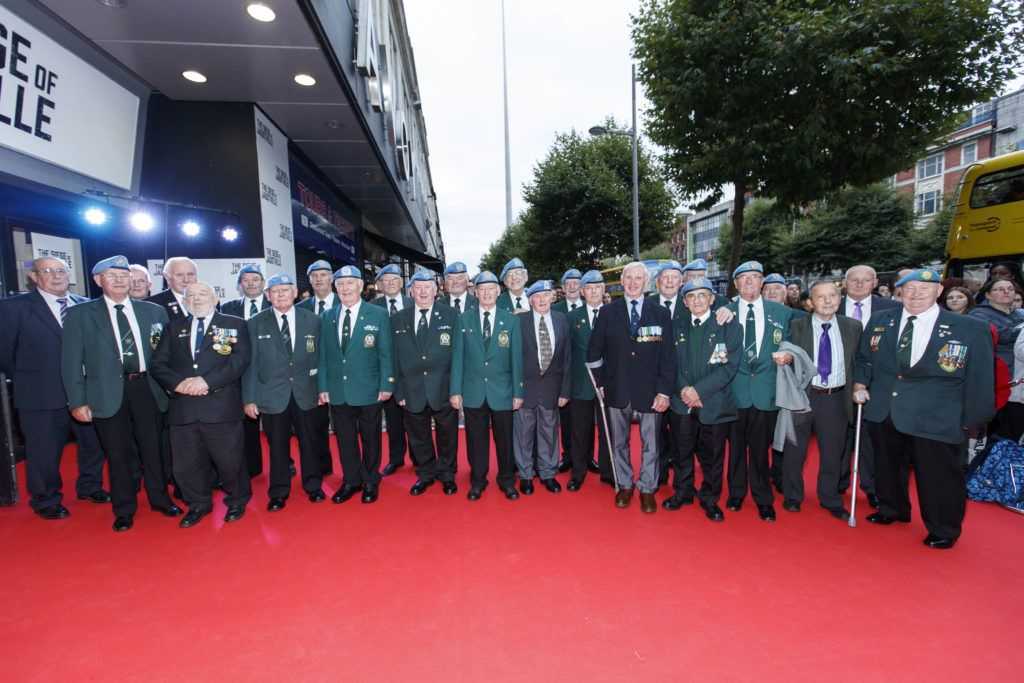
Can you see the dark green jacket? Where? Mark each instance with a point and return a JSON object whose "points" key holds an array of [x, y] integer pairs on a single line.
{"points": [[580, 329], [720, 355], [423, 373], [507, 303], [754, 384], [493, 373], [275, 372], [354, 376], [563, 306]]}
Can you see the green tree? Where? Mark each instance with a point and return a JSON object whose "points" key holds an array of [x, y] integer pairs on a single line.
{"points": [[766, 225], [928, 245], [794, 99]]}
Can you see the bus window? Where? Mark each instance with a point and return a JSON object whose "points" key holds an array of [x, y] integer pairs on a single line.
{"points": [[998, 188]]}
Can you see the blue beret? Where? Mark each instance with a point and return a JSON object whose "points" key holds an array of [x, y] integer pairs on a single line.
{"points": [[119, 262], [318, 265], [251, 268], [423, 275], [671, 265], [280, 279], [592, 277], [389, 269], [454, 268], [348, 271], [485, 277], [748, 267], [697, 283], [572, 274], [540, 286], [696, 264], [774, 279], [920, 275], [514, 263]]}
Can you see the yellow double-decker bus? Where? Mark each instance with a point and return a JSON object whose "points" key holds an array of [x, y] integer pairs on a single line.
{"points": [[988, 218]]}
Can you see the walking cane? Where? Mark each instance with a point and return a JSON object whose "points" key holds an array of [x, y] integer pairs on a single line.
{"points": [[604, 419], [856, 465]]}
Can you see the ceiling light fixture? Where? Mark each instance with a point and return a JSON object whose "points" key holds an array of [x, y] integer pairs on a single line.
{"points": [[142, 221], [305, 79], [95, 216], [193, 76], [229, 234], [190, 228], [260, 12]]}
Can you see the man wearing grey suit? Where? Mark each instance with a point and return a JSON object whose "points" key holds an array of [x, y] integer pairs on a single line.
{"points": [[280, 386], [546, 382]]}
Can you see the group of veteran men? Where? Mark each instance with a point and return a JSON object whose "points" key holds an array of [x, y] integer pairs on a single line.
{"points": [[174, 388]]}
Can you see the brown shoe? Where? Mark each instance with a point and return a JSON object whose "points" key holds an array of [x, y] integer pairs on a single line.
{"points": [[623, 498], [647, 503]]}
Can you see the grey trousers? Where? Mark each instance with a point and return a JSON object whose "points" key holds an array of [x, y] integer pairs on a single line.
{"points": [[540, 425], [650, 425]]}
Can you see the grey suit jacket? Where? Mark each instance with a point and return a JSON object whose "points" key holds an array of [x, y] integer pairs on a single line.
{"points": [[275, 374], [802, 335]]}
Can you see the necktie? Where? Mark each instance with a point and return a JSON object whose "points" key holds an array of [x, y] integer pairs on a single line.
{"points": [[750, 333], [825, 354], [696, 322], [346, 329], [200, 331], [573, 307], [63, 309], [519, 302], [487, 328], [668, 305], [320, 307], [858, 311], [544, 338], [252, 308], [393, 309], [421, 326], [906, 344], [286, 334], [593, 318], [634, 319], [458, 305], [129, 358]]}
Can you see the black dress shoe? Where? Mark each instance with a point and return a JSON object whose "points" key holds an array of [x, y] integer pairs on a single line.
{"points": [[676, 501], [873, 500], [574, 485], [885, 520], [171, 511], [592, 466], [564, 466], [474, 494], [192, 518], [123, 523], [839, 512], [939, 543], [97, 496], [234, 513], [389, 469], [526, 486], [766, 512], [450, 488], [420, 487], [734, 504], [317, 496], [790, 505], [345, 492], [713, 512], [552, 485], [511, 493], [369, 494], [276, 503], [53, 512]]}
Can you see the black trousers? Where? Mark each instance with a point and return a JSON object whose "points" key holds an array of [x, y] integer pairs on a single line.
{"points": [[938, 470], [480, 423], [829, 422], [432, 461], [321, 416], [356, 426], [565, 425], [666, 448], [1009, 421], [46, 434], [279, 427], [584, 415], [865, 463], [750, 437], [134, 431], [253, 447], [194, 446], [707, 442], [396, 432]]}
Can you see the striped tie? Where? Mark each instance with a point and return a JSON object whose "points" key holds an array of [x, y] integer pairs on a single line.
{"points": [[63, 301]]}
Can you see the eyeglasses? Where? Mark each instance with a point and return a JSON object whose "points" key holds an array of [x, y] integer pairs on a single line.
{"points": [[52, 271], [117, 276], [1002, 290]]}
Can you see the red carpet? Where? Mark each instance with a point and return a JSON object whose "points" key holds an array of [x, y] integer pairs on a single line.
{"points": [[544, 588]]}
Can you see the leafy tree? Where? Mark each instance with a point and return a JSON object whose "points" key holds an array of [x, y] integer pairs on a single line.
{"points": [[766, 225], [794, 99], [928, 245]]}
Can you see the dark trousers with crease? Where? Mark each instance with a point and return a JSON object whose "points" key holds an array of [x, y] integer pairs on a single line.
{"points": [[480, 423], [397, 444], [137, 424], [829, 422], [253, 446], [584, 415], [198, 446], [321, 418], [46, 434], [750, 437], [707, 443], [279, 428], [357, 431], [565, 426], [434, 460]]}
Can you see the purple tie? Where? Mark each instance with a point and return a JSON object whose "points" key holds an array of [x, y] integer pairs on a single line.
{"points": [[825, 354], [858, 311]]}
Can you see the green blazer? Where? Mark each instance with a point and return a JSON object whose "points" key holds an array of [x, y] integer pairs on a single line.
{"points": [[754, 384], [276, 372], [493, 373], [507, 303], [423, 373], [563, 306], [354, 376], [720, 354], [90, 357], [580, 330]]}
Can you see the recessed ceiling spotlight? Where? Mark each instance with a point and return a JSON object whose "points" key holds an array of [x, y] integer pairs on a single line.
{"points": [[193, 76], [305, 79], [260, 12]]}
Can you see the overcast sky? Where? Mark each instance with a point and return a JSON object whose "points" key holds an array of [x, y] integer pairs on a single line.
{"points": [[568, 67]]}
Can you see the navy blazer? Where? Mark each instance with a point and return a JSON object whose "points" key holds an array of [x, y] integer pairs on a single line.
{"points": [[632, 371], [30, 351], [545, 390], [167, 300], [236, 307]]}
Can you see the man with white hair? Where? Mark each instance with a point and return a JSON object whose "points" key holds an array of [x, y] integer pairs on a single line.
{"points": [[141, 283], [178, 272]]}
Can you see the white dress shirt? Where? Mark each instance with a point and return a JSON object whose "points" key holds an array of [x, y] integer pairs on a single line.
{"points": [[54, 305], [741, 318], [129, 313], [192, 331], [924, 323], [551, 331], [352, 321], [291, 322], [397, 299], [462, 299], [851, 309], [670, 304], [417, 316], [493, 311], [703, 318], [524, 301], [328, 303], [247, 303], [577, 303], [837, 377], [590, 315]]}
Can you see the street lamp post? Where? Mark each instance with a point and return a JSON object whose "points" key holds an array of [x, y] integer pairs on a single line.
{"points": [[601, 130]]}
